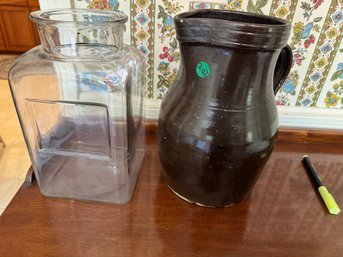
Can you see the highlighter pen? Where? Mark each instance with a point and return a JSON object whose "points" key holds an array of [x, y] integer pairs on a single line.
{"points": [[324, 193]]}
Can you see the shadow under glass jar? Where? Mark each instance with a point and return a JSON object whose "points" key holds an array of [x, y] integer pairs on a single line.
{"points": [[80, 101]]}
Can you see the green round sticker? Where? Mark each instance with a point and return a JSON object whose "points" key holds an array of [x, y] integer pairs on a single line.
{"points": [[203, 69]]}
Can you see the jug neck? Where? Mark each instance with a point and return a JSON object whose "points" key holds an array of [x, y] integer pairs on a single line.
{"points": [[227, 78], [80, 33]]}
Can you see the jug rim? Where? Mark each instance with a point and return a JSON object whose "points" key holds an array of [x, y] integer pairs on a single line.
{"points": [[273, 21], [232, 28], [96, 17]]}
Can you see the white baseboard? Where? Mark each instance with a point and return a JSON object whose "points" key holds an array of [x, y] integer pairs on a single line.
{"points": [[290, 117], [152, 109], [311, 118]]}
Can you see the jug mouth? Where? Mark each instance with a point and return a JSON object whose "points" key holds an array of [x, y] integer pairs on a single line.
{"points": [[78, 16], [232, 28]]}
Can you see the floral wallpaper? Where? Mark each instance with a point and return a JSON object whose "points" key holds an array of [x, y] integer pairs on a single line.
{"points": [[316, 78]]}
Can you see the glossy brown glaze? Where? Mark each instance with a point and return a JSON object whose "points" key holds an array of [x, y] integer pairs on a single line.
{"points": [[218, 123], [283, 216]]}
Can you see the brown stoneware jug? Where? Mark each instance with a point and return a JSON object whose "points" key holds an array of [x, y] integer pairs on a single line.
{"points": [[218, 123]]}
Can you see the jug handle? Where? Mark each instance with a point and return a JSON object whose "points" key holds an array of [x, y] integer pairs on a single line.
{"points": [[283, 67]]}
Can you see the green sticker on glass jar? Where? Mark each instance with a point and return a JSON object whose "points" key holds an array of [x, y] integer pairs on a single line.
{"points": [[203, 69]]}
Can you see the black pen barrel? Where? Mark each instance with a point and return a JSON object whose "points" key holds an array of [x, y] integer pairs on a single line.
{"points": [[312, 171]]}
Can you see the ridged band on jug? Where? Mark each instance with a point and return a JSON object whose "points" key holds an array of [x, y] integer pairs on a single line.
{"points": [[232, 29]]}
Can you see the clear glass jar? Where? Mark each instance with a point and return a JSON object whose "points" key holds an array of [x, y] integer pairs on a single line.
{"points": [[80, 101]]}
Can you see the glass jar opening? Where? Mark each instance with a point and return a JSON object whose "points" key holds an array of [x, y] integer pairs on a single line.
{"points": [[79, 16], [80, 33]]}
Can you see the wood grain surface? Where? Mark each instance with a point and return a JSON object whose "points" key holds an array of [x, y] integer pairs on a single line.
{"points": [[283, 216], [294, 135]]}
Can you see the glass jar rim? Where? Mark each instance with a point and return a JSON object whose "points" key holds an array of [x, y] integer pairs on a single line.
{"points": [[96, 17]]}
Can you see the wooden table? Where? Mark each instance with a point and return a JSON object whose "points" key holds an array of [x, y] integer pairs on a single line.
{"points": [[283, 216]]}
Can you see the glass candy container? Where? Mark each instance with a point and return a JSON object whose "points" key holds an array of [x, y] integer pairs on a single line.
{"points": [[80, 101]]}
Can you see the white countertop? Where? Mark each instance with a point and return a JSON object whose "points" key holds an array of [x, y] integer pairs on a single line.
{"points": [[14, 160]]}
